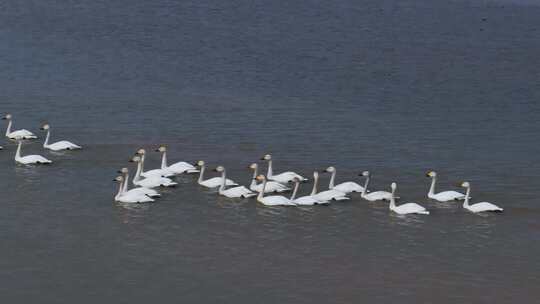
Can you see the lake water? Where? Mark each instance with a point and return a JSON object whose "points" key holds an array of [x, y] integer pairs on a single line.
{"points": [[394, 87]]}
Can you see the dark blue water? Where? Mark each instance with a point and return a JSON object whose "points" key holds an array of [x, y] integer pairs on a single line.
{"points": [[394, 87]]}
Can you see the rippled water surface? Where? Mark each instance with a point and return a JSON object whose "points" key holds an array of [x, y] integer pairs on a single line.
{"points": [[394, 87]]}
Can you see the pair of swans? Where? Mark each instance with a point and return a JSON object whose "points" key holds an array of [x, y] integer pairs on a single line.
{"points": [[29, 159], [140, 190], [313, 199], [271, 186], [211, 182], [150, 181], [18, 134], [128, 196], [165, 170]]}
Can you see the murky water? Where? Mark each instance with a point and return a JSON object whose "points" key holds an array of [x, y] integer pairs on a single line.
{"points": [[396, 88]]}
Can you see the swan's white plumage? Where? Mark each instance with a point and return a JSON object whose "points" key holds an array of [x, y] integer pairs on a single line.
{"points": [[59, 145], [139, 190], [285, 177], [176, 168], [307, 200], [130, 197], [152, 181], [327, 195], [271, 186], [345, 187], [18, 134], [444, 196], [407, 208], [373, 196], [211, 182], [29, 159], [478, 207], [236, 192], [273, 200]]}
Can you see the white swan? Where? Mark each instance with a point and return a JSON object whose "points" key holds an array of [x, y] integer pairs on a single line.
{"points": [[176, 168], [408, 208], [140, 190], [124, 197], [154, 172], [236, 192], [273, 200], [211, 182], [444, 196], [345, 187], [478, 207], [271, 186], [327, 195], [19, 134], [59, 145], [284, 177], [307, 200], [29, 159], [374, 196], [152, 181]]}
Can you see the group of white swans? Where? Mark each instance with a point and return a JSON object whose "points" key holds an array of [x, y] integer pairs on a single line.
{"points": [[261, 184], [23, 134], [146, 181]]}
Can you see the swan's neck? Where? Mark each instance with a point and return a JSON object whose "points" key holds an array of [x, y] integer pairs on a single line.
{"points": [[432, 187], [164, 161], [201, 175], [270, 172], [253, 181], [466, 202], [223, 177], [8, 130], [126, 182], [46, 143], [18, 153], [365, 186], [393, 200], [143, 158], [261, 193], [138, 173], [293, 196], [315, 183], [119, 191], [332, 179]]}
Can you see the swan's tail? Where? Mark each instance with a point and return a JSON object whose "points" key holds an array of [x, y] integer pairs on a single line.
{"points": [[423, 212], [249, 195], [193, 171], [341, 198], [169, 184]]}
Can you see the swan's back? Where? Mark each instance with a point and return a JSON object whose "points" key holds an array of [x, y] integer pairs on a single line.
{"points": [[63, 145], [378, 195], [348, 187], [484, 206], [330, 195], [448, 196], [34, 159], [306, 201], [410, 208], [21, 134], [276, 200]]}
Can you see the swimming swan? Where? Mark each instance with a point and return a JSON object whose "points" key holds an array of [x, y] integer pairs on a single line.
{"points": [[307, 200], [124, 197], [211, 182], [59, 145], [271, 186], [140, 190], [444, 196], [236, 192], [478, 207], [374, 196], [152, 181], [154, 172], [327, 195], [29, 159], [284, 177], [345, 187], [273, 200], [19, 134], [176, 168], [408, 208]]}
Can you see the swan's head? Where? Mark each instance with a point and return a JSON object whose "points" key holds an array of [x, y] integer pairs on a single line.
{"points": [[296, 180], [365, 174], [45, 127], [267, 157], [315, 174], [141, 151], [393, 186], [7, 117], [253, 166], [260, 178], [465, 184], [431, 174], [118, 179], [1, 148], [199, 163], [135, 159], [219, 169], [330, 170], [123, 170], [161, 149]]}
